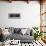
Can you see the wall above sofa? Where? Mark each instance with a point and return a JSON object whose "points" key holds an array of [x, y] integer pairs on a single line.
{"points": [[30, 14]]}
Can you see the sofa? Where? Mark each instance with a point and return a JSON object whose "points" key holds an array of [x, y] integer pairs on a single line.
{"points": [[17, 34]]}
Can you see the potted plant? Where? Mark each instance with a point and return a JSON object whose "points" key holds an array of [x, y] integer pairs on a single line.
{"points": [[37, 33]]}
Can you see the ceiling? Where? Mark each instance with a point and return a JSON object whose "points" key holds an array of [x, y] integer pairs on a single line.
{"points": [[20, 0], [23, 0]]}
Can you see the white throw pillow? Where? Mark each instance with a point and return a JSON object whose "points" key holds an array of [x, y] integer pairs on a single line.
{"points": [[23, 31]]}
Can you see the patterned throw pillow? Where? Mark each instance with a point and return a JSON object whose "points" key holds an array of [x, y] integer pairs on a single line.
{"points": [[11, 30], [17, 30]]}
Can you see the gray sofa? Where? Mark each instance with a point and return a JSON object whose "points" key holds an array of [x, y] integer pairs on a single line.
{"points": [[17, 35]]}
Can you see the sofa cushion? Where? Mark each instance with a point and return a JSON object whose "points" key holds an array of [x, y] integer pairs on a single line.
{"points": [[20, 37]]}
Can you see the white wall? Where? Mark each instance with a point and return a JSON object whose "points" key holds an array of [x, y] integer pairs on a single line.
{"points": [[30, 14]]}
